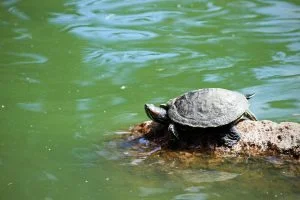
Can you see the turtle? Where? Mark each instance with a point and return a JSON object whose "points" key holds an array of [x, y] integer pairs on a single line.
{"points": [[204, 108]]}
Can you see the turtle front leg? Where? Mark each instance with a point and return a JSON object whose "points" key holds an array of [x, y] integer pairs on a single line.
{"points": [[172, 129], [231, 137]]}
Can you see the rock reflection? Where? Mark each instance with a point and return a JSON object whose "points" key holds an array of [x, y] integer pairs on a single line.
{"points": [[125, 117], [190, 196], [145, 191], [200, 176], [194, 189]]}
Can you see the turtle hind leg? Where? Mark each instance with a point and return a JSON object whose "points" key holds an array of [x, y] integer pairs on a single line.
{"points": [[248, 114], [231, 137]]}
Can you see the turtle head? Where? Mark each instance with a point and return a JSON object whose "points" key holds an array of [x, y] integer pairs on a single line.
{"points": [[157, 114]]}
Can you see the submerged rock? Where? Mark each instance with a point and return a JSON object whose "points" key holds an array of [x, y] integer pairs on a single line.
{"points": [[148, 148], [258, 138]]}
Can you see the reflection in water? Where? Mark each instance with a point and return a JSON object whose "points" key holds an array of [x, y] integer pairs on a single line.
{"points": [[145, 191], [190, 196], [140, 153], [190, 180], [125, 117], [200, 176]]}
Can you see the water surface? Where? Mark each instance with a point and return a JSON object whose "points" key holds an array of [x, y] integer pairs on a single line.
{"points": [[73, 72]]}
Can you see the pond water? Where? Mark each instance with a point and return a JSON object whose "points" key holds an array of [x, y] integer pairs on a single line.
{"points": [[74, 72]]}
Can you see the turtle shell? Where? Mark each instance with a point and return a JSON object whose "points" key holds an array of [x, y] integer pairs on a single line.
{"points": [[209, 107]]}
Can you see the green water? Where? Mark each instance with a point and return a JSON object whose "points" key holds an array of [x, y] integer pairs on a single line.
{"points": [[73, 72]]}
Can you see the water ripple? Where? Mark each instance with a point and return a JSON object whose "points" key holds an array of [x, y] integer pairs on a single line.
{"points": [[232, 43], [84, 104], [104, 56], [295, 46], [8, 3], [23, 33], [138, 19], [26, 58], [280, 9], [18, 13], [267, 72], [112, 34], [212, 64], [110, 63], [96, 5]]}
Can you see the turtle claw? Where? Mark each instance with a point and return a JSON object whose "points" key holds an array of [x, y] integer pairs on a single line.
{"points": [[173, 130], [231, 138]]}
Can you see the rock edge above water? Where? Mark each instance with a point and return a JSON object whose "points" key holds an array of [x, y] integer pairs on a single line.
{"points": [[258, 138]]}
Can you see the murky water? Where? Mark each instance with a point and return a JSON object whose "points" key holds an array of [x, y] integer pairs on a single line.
{"points": [[74, 72]]}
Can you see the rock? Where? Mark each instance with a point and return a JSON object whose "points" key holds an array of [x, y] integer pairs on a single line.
{"points": [[267, 137], [258, 138]]}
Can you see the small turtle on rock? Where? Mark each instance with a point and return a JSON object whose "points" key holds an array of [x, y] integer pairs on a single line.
{"points": [[204, 108]]}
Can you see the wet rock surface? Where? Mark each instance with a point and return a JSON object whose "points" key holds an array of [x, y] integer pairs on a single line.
{"points": [[258, 138], [148, 148]]}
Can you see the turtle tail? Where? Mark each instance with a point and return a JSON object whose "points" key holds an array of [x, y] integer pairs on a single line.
{"points": [[249, 96]]}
